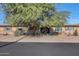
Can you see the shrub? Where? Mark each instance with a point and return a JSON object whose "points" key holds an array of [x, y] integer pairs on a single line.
{"points": [[75, 33], [18, 33]]}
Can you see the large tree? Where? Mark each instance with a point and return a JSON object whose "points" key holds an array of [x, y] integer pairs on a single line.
{"points": [[35, 15]]}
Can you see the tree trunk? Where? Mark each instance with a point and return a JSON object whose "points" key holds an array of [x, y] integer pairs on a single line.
{"points": [[33, 31]]}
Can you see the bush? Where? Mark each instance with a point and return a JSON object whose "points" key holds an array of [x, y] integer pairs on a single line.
{"points": [[75, 33], [18, 33]]}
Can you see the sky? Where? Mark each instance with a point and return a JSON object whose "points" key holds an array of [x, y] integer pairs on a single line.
{"points": [[2, 15], [73, 8]]}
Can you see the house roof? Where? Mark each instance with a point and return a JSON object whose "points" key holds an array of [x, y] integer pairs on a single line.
{"points": [[75, 25], [7, 25]]}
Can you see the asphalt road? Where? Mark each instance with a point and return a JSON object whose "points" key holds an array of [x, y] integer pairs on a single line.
{"points": [[40, 49]]}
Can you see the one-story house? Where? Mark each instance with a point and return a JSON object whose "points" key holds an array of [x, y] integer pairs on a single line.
{"points": [[66, 29]]}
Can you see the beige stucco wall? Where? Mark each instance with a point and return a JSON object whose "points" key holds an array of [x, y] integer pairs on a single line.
{"points": [[1, 30], [14, 29], [4, 31], [68, 32], [53, 29], [64, 31]]}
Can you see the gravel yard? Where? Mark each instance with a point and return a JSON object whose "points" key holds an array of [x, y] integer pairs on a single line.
{"points": [[9, 38], [44, 38]]}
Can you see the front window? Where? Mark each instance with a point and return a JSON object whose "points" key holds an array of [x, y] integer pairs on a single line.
{"points": [[8, 29], [69, 28]]}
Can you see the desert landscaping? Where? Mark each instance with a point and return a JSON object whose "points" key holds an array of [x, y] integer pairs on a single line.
{"points": [[44, 38]]}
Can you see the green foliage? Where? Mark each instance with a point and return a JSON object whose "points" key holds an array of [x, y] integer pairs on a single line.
{"points": [[35, 15], [18, 32]]}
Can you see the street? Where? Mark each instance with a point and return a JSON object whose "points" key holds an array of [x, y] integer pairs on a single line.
{"points": [[40, 49]]}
